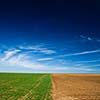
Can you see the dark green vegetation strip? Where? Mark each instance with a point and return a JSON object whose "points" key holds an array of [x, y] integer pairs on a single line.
{"points": [[16, 86]]}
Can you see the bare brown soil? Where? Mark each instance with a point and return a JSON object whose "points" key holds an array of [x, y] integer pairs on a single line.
{"points": [[76, 87]]}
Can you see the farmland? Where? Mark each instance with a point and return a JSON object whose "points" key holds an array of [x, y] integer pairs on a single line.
{"points": [[76, 87], [18, 86], [25, 86]]}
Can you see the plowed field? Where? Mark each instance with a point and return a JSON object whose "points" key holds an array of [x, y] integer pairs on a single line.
{"points": [[18, 86], [75, 87]]}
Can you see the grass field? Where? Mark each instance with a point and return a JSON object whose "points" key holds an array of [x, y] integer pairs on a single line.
{"points": [[25, 86], [17, 86]]}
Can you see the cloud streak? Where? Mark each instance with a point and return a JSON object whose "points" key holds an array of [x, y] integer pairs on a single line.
{"points": [[45, 59], [89, 61], [80, 53], [20, 57], [14, 58], [86, 38], [9, 53], [38, 48]]}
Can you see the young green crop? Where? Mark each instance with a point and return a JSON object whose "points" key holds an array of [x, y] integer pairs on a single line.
{"points": [[16, 86]]}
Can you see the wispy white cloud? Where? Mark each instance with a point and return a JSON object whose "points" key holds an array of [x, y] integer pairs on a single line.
{"points": [[22, 60], [14, 58], [21, 57], [82, 36], [88, 61], [9, 53], [38, 48], [89, 38], [86, 38], [45, 59], [80, 53]]}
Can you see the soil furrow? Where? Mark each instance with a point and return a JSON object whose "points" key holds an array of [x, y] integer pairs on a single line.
{"points": [[75, 87]]}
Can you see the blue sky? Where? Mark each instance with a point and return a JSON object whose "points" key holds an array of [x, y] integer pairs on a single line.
{"points": [[47, 58], [50, 36]]}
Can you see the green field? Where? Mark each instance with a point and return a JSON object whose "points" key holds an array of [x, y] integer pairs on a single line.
{"points": [[25, 86], [19, 86]]}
